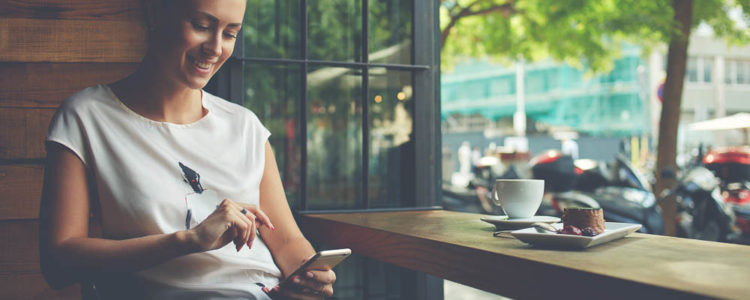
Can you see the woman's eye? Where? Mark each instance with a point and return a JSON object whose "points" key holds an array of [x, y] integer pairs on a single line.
{"points": [[230, 35], [200, 26]]}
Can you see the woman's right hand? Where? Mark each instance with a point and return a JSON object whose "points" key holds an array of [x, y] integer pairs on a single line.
{"points": [[228, 223]]}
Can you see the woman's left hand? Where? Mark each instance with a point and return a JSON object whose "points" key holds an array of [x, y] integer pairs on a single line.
{"points": [[313, 284]]}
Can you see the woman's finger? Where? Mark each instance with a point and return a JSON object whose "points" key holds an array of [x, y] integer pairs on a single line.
{"points": [[252, 232], [239, 222], [322, 281], [253, 213], [323, 276], [248, 228], [233, 210], [262, 218], [235, 240]]}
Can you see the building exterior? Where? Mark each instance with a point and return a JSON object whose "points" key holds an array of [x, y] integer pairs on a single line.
{"points": [[479, 95], [717, 84], [479, 98]]}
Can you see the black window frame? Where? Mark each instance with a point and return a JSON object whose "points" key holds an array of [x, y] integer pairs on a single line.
{"points": [[228, 83]]}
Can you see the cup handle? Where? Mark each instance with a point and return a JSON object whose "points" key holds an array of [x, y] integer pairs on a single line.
{"points": [[495, 198]]}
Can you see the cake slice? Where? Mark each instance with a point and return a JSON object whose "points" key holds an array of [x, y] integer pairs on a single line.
{"points": [[584, 218]]}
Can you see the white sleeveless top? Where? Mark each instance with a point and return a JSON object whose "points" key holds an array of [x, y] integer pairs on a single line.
{"points": [[142, 189]]}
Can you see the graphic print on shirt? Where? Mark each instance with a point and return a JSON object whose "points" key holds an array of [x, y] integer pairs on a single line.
{"points": [[191, 177], [200, 202]]}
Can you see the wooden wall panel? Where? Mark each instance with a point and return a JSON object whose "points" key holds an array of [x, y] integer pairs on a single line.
{"points": [[31, 285], [40, 40], [19, 251], [21, 190], [48, 84], [72, 9], [23, 132], [19, 245], [20, 276], [49, 49]]}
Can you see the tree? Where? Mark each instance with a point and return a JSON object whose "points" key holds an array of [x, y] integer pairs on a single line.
{"points": [[590, 33]]}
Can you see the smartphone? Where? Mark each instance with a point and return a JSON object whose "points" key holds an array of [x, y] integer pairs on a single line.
{"points": [[326, 259]]}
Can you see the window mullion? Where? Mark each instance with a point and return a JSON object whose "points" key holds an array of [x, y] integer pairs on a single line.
{"points": [[303, 109], [365, 105]]}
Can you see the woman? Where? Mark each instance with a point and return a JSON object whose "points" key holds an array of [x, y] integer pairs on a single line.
{"points": [[175, 175]]}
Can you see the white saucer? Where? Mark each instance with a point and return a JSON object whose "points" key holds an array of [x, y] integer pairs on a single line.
{"points": [[505, 222], [612, 232]]}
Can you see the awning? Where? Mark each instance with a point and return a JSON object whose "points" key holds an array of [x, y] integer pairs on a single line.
{"points": [[736, 121]]}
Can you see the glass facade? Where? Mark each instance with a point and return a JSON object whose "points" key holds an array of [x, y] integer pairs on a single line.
{"points": [[335, 82], [391, 157], [338, 85], [334, 138]]}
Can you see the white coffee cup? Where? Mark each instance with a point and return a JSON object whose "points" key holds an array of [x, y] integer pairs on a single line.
{"points": [[519, 198]]}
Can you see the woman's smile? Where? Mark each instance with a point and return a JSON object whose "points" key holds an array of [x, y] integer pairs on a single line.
{"points": [[202, 66]]}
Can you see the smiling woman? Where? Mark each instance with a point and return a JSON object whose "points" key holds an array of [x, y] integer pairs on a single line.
{"points": [[193, 39], [132, 152]]}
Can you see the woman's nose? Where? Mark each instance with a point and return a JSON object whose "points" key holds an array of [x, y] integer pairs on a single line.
{"points": [[212, 47]]}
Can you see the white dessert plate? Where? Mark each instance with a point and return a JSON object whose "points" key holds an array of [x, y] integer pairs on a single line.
{"points": [[505, 222], [612, 231]]}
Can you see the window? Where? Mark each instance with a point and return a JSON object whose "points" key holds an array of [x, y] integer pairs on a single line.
{"points": [[340, 83], [737, 71], [743, 72], [692, 70], [730, 70], [708, 65]]}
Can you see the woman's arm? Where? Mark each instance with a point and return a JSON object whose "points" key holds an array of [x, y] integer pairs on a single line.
{"points": [[289, 247], [67, 252], [287, 244]]}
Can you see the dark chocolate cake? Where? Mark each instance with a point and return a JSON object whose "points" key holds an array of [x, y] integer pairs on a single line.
{"points": [[584, 218]]}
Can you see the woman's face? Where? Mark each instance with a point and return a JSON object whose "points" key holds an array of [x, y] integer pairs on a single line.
{"points": [[197, 37]]}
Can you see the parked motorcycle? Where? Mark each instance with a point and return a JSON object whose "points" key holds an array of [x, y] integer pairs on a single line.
{"points": [[731, 165], [702, 212]]}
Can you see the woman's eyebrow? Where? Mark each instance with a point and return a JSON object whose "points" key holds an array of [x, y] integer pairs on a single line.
{"points": [[213, 19]]}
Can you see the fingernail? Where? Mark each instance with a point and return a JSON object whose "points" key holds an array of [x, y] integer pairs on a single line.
{"points": [[309, 274], [272, 227], [264, 289], [296, 279]]}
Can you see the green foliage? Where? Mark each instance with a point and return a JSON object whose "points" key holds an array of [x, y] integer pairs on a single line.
{"points": [[578, 32]]}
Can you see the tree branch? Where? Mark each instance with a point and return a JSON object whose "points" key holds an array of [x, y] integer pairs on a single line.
{"points": [[506, 10]]}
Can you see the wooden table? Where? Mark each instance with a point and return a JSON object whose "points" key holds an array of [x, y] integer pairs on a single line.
{"points": [[459, 247]]}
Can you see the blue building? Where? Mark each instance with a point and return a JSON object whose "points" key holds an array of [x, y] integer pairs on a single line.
{"points": [[556, 95]]}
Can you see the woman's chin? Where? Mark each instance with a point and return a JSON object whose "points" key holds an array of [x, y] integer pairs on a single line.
{"points": [[197, 83]]}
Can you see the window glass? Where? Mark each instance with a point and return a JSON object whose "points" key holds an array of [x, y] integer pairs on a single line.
{"points": [[708, 68], [334, 30], [334, 138], [730, 67], [743, 72], [502, 86], [692, 70], [536, 82], [390, 31], [272, 29], [391, 161], [272, 93]]}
